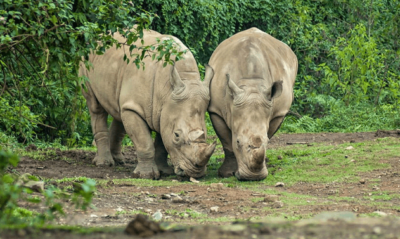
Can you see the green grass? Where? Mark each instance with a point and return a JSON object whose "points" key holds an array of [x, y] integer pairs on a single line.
{"points": [[317, 164], [186, 213], [132, 212], [382, 196]]}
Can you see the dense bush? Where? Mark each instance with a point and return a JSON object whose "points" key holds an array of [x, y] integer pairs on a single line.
{"points": [[347, 50], [41, 45], [13, 191]]}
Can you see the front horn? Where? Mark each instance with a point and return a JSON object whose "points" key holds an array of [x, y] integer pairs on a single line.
{"points": [[205, 155], [176, 82]]}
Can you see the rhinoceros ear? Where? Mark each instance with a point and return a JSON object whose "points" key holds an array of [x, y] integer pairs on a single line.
{"points": [[235, 90], [276, 90], [177, 84], [208, 75]]}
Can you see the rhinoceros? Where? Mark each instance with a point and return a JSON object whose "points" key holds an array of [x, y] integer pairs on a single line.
{"points": [[251, 92], [170, 101]]}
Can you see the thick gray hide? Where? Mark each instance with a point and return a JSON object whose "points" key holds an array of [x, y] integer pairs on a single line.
{"points": [[251, 92], [168, 100]]}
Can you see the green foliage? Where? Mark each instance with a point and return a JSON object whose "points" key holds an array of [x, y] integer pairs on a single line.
{"points": [[361, 73], [347, 49], [13, 191], [337, 117], [41, 45]]}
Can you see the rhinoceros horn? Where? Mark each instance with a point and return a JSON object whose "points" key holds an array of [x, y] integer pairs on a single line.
{"points": [[208, 75], [206, 154], [259, 155], [177, 84], [233, 87]]}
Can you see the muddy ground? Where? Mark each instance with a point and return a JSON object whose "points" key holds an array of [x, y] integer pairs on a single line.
{"points": [[118, 202]]}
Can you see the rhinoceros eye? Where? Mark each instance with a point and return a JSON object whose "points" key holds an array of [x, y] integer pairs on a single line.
{"points": [[177, 137]]}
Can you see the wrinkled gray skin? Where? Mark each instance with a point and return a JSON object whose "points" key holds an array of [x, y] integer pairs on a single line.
{"points": [[168, 100], [251, 92]]}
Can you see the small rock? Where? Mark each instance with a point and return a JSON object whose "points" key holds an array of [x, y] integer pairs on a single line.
{"points": [[280, 157], [193, 180], [119, 209], [93, 215], [174, 180], [214, 209], [382, 214], [352, 141], [165, 196], [148, 210], [139, 208], [352, 161], [178, 199], [271, 198], [362, 181], [279, 184], [377, 230], [217, 186], [149, 199], [37, 186], [174, 194], [350, 148], [147, 192], [141, 226], [346, 156], [277, 204]]}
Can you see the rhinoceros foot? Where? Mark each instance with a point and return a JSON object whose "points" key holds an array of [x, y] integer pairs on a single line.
{"points": [[228, 168], [166, 171], [103, 160], [118, 158], [146, 170], [226, 173]]}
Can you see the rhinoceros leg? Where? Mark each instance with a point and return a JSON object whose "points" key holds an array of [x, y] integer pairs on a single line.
{"points": [[161, 157], [229, 166], [99, 128], [117, 134], [140, 135]]}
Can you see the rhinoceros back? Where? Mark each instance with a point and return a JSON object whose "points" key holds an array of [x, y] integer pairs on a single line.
{"points": [[117, 84]]}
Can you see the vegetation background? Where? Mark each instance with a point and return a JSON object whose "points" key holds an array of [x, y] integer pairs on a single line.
{"points": [[348, 52]]}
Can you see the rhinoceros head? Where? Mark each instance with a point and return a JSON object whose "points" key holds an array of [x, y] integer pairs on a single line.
{"points": [[182, 124], [251, 113]]}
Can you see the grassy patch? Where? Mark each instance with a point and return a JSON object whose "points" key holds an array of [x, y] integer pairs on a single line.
{"points": [[382, 196], [132, 212], [186, 213], [317, 164]]}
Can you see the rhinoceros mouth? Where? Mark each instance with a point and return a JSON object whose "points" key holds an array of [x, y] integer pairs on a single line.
{"points": [[190, 170], [185, 167], [245, 174]]}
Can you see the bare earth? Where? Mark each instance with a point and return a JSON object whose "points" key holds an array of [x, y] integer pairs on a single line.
{"points": [[115, 200]]}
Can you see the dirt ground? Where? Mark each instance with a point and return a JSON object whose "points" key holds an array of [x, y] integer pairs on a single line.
{"points": [[190, 203]]}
